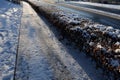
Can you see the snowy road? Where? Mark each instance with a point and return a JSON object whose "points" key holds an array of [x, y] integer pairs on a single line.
{"points": [[106, 20], [82, 4], [40, 55], [110, 6]]}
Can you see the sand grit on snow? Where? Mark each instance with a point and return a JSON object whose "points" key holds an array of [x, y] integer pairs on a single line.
{"points": [[9, 29]]}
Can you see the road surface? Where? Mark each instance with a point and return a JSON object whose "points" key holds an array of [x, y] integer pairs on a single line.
{"points": [[95, 7], [94, 17]]}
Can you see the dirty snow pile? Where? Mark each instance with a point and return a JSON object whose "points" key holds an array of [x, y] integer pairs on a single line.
{"points": [[100, 42], [10, 15]]}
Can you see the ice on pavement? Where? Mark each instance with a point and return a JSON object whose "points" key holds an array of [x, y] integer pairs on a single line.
{"points": [[32, 63], [10, 15]]}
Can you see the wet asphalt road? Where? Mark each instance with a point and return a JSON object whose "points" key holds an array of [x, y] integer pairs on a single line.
{"points": [[96, 7], [96, 17]]}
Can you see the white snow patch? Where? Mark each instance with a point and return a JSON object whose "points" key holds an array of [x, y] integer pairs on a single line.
{"points": [[1, 49], [10, 15], [117, 51], [99, 46], [117, 43], [91, 43], [8, 76], [114, 63]]}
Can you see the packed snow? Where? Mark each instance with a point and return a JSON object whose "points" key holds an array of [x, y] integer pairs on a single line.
{"points": [[10, 15], [32, 63]]}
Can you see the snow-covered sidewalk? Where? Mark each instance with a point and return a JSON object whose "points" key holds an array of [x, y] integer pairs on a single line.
{"points": [[40, 55], [32, 63], [10, 17]]}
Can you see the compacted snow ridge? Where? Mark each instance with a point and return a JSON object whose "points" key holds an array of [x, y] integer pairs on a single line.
{"points": [[85, 62], [108, 31], [10, 15], [99, 41]]}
